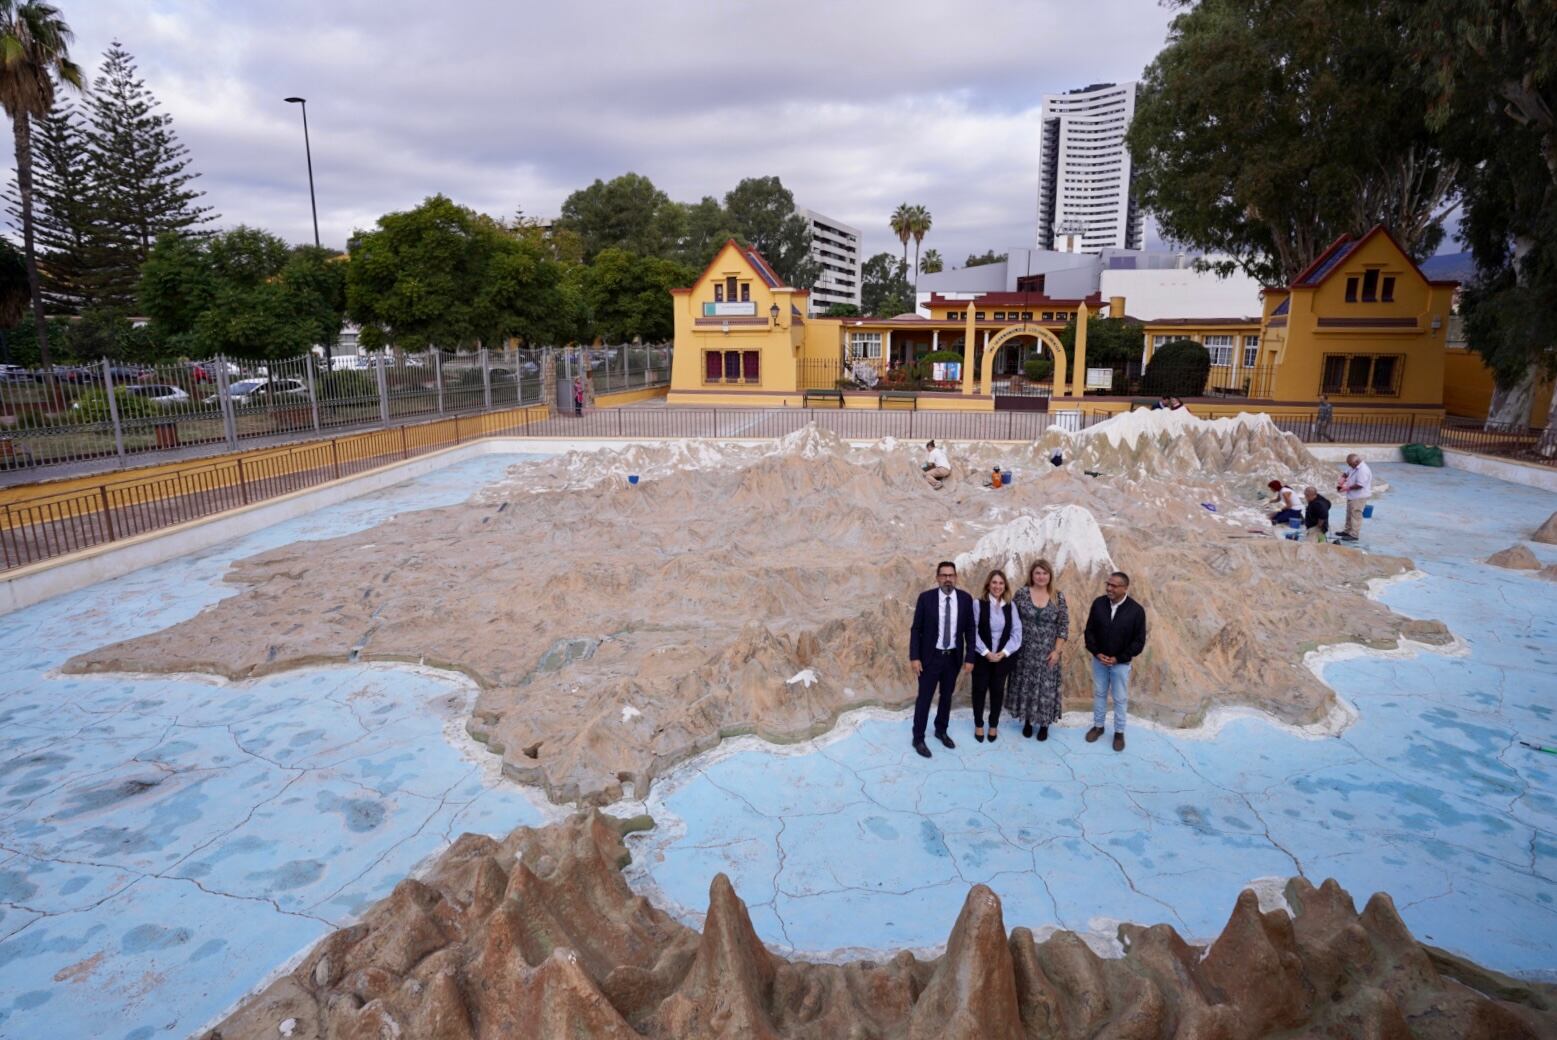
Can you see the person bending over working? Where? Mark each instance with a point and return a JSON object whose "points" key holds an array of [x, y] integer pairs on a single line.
{"points": [[1316, 515], [997, 639], [937, 467], [1115, 636], [1035, 679], [1356, 484], [939, 642], [1288, 505]]}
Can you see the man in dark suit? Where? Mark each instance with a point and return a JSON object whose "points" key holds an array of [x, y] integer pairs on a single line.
{"points": [[938, 644], [1116, 635]]}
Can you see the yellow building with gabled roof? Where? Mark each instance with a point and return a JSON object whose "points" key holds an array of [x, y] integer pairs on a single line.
{"points": [[1360, 324], [742, 335]]}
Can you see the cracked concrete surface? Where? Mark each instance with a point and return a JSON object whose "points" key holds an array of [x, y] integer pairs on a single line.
{"points": [[853, 844], [166, 842]]}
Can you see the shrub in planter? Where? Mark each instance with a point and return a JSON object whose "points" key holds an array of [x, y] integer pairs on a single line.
{"points": [[1038, 369], [92, 406], [347, 383]]}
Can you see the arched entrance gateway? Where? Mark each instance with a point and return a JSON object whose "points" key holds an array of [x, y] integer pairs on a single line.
{"points": [[1010, 336]]}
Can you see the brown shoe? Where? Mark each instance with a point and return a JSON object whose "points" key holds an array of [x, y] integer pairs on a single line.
{"points": [[1118, 741], [1093, 734]]}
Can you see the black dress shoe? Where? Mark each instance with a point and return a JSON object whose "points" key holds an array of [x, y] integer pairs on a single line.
{"points": [[978, 736], [945, 738], [1043, 732], [1027, 729], [994, 735], [924, 752], [1118, 741]]}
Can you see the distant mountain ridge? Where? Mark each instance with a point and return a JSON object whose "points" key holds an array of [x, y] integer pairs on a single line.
{"points": [[1458, 266]]}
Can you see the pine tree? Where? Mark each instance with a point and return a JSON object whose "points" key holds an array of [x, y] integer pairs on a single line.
{"points": [[65, 219], [144, 176]]}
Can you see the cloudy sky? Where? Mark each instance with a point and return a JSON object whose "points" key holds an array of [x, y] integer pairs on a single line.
{"points": [[856, 104]]}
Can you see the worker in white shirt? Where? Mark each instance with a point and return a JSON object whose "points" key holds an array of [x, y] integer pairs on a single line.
{"points": [[1288, 505], [1356, 484], [937, 466]]}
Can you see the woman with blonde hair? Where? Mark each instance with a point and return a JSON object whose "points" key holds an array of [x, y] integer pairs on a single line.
{"points": [[997, 636], [1035, 680]]}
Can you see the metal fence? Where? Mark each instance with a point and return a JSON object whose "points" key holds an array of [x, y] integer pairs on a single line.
{"points": [[1521, 443], [50, 524], [113, 412]]}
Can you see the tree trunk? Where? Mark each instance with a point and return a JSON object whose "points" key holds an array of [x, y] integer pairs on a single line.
{"points": [[1510, 407], [916, 274], [21, 123], [1546, 445]]}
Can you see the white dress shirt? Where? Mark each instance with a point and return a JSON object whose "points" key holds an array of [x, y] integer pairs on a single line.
{"points": [[938, 459], [997, 625], [1359, 481], [946, 621]]}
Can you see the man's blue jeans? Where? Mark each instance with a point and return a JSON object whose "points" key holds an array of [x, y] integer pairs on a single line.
{"points": [[1106, 678]]}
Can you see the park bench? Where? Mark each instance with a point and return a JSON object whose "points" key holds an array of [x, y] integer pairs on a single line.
{"points": [[908, 397], [821, 395]]}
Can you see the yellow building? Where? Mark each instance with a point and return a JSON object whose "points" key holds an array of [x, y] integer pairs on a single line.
{"points": [[1361, 324], [742, 339]]}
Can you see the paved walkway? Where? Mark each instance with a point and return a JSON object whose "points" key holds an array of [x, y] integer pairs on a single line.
{"points": [[855, 841]]}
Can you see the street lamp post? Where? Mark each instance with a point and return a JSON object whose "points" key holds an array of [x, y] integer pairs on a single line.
{"points": [[308, 152]]}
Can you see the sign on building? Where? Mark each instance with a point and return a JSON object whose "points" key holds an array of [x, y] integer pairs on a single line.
{"points": [[736, 309], [1100, 379]]}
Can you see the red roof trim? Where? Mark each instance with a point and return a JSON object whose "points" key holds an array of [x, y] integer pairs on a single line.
{"points": [[1321, 258], [741, 251]]}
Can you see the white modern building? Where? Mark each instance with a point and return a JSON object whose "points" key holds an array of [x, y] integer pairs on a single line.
{"points": [[1084, 199], [835, 246], [1155, 285]]}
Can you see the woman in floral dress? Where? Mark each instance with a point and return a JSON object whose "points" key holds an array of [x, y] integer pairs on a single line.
{"points": [[1034, 692]]}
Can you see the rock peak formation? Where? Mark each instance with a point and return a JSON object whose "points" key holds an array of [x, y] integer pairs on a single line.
{"points": [[615, 630], [539, 936]]}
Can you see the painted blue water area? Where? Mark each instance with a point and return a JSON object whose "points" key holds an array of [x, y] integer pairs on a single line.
{"points": [[855, 842], [167, 841]]}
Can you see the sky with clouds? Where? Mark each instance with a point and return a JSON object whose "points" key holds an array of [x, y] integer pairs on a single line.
{"points": [[857, 105]]}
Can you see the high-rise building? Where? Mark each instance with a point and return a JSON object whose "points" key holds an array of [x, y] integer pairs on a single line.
{"points": [[835, 246], [1084, 198]]}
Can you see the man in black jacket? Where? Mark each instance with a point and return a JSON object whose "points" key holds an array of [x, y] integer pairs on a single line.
{"points": [[1115, 635], [938, 644], [1316, 515]]}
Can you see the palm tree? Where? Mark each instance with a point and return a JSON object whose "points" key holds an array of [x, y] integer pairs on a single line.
{"points": [[931, 263], [918, 226], [34, 42], [901, 224]]}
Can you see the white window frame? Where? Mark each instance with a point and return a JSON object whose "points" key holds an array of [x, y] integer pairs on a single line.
{"points": [[865, 345], [1221, 350], [1251, 351]]}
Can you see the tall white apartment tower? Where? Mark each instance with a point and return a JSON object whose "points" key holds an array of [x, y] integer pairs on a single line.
{"points": [[1084, 169], [835, 246]]}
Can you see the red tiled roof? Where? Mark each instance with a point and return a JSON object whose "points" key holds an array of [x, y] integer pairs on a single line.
{"points": [[754, 259], [1202, 321], [1014, 299]]}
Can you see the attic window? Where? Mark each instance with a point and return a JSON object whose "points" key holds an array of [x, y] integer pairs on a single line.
{"points": [[745, 292], [718, 293], [1351, 290], [1387, 290], [729, 288], [1370, 285]]}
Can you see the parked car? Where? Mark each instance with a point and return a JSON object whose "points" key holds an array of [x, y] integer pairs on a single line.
{"points": [[161, 393], [260, 391], [15, 374]]}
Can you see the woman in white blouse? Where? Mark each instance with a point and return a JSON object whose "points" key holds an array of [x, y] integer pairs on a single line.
{"points": [[997, 636]]}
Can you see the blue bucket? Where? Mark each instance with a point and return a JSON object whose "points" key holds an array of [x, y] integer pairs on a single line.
{"points": [[632, 478], [1005, 478], [1295, 522], [1367, 511]]}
